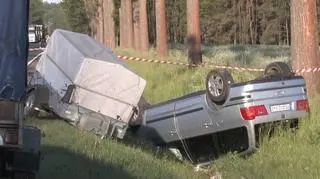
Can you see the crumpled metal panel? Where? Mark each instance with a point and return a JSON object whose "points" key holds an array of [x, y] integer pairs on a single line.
{"points": [[13, 48]]}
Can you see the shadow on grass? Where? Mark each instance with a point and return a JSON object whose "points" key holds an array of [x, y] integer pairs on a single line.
{"points": [[67, 154], [62, 163], [140, 140]]}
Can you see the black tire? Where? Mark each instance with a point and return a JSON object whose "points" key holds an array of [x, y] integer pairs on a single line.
{"points": [[278, 69], [218, 84]]}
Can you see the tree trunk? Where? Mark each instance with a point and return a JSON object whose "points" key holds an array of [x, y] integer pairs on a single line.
{"points": [[246, 23], [250, 19], [136, 25], [121, 25], [193, 37], [240, 23], [109, 25], [100, 18], [287, 32], [90, 8], [144, 34], [255, 21], [304, 38], [129, 23], [136, 31], [235, 41], [161, 29]]}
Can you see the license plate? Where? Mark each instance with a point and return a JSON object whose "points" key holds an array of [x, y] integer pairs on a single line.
{"points": [[280, 107]]}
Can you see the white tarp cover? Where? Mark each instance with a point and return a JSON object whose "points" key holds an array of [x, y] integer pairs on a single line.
{"points": [[103, 82]]}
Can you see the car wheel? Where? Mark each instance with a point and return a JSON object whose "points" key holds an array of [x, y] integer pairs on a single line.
{"points": [[218, 85], [278, 69]]}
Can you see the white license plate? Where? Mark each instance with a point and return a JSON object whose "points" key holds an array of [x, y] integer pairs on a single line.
{"points": [[280, 107]]}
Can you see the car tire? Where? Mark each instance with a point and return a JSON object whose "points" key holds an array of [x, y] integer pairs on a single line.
{"points": [[278, 69], [218, 84]]}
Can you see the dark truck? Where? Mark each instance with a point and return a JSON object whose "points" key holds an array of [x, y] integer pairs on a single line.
{"points": [[19, 144]]}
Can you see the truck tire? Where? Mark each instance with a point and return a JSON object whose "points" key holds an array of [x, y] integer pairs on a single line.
{"points": [[278, 69], [218, 84]]}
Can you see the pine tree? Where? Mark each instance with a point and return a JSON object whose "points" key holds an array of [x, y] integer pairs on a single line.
{"points": [[193, 36], [109, 25], [162, 46], [36, 12], [128, 24], [76, 15], [136, 25], [143, 17], [304, 50]]}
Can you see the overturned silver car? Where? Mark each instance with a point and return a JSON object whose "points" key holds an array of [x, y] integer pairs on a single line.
{"points": [[227, 116], [82, 81]]}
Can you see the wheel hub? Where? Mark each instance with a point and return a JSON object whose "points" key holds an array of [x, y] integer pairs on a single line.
{"points": [[215, 84]]}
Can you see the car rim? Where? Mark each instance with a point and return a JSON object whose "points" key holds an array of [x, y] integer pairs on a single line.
{"points": [[215, 84]]}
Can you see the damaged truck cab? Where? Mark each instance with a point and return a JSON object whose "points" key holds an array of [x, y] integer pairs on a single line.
{"points": [[19, 144]]}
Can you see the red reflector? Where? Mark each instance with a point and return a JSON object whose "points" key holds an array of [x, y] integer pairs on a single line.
{"points": [[250, 113], [11, 137], [303, 105]]}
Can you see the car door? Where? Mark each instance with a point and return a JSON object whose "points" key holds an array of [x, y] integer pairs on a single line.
{"points": [[191, 118], [159, 124]]}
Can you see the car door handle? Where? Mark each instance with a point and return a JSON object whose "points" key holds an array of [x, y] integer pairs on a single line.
{"points": [[208, 124], [172, 132]]}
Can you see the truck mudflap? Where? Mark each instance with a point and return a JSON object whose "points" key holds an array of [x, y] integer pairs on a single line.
{"points": [[27, 160]]}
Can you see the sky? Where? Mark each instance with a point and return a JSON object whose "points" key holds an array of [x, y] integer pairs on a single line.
{"points": [[52, 1]]}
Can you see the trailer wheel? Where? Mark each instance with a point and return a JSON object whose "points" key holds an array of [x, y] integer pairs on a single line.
{"points": [[218, 84], [278, 69]]}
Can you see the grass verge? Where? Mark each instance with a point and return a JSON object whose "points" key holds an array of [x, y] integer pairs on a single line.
{"points": [[231, 55], [286, 155], [70, 153]]}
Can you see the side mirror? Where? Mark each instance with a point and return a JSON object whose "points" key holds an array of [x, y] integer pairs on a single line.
{"points": [[68, 95]]}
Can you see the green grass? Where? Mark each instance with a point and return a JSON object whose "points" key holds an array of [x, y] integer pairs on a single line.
{"points": [[70, 153], [232, 55], [286, 155], [168, 81]]}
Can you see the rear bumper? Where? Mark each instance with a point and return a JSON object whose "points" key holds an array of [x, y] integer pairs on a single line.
{"points": [[253, 126]]}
